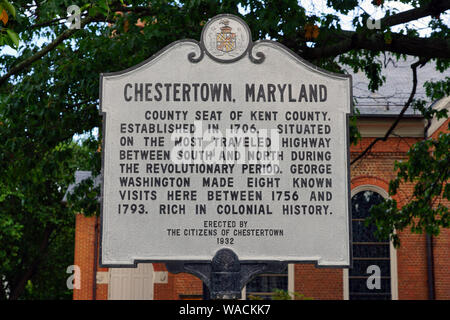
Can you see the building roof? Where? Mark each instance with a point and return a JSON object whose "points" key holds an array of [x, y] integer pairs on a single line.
{"points": [[393, 94], [79, 177]]}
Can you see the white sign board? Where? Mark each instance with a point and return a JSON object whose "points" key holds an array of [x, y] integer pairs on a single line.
{"points": [[225, 143]]}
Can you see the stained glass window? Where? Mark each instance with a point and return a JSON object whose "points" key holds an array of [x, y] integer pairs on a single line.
{"points": [[368, 251]]}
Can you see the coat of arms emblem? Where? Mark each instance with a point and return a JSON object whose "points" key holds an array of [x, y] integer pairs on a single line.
{"points": [[225, 40]]}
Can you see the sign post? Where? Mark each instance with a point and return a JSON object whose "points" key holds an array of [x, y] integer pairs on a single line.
{"points": [[225, 158]]}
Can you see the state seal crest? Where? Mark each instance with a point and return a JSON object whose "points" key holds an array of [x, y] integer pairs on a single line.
{"points": [[225, 40]]}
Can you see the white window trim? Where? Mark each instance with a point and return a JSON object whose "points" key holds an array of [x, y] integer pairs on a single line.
{"points": [[291, 278], [393, 251]]}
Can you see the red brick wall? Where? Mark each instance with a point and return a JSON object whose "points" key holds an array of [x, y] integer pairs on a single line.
{"points": [[412, 267], [85, 231], [318, 283], [179, 286], [187, 286], [164, 291], [84, 255], [441, 246]]}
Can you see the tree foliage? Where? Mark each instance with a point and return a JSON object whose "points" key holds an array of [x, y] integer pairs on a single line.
{"points": [[49, 95], [426, 211]]}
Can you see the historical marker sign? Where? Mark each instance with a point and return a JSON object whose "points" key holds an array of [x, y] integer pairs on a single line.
{"points": [[225, 143]]}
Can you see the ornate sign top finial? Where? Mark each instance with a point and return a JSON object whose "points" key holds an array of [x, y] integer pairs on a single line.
{"points": [[225, 22], [226, 38]]}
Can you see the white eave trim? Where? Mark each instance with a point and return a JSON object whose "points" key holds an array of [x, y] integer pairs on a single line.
{"points": [[441, 104]]}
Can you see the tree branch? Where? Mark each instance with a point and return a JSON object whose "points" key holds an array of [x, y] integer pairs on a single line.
{"points": [[343, 41], [414, 66], [432, 8], [48, 23], [67, 34], [27, 62], [415, 46]]}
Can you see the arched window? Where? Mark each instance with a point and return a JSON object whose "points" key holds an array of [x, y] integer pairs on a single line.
{"points": [[371, 275]]}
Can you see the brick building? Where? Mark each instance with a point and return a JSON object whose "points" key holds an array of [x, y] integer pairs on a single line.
{"points": [[417, 270]]}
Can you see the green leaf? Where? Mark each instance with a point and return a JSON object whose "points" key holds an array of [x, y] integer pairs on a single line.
{"points": [[8, 6], [13, 36], [104, 5], [93, 11]]}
